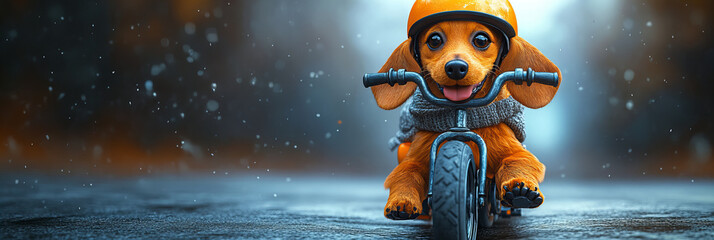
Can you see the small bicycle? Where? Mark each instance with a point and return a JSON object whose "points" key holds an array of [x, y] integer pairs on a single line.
{"points": [[461, 198]]}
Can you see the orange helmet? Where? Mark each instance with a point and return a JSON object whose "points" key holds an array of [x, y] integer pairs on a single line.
{"points": [[496, 13]]}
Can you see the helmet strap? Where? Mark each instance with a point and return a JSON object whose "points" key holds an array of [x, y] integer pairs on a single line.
{"points": [[502, 52], [415, 51]]}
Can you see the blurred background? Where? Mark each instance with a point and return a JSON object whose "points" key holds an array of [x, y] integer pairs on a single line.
{"points": [[242, 87]]}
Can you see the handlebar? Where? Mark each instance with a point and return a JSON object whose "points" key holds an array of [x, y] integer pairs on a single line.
{"points": [[518, 77], [392, 77]]}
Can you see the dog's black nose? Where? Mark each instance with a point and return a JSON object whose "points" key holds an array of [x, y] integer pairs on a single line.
{"points": [[456, 69]]}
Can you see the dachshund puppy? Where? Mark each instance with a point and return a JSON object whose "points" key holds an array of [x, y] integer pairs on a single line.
{"points": [[474, 47]]}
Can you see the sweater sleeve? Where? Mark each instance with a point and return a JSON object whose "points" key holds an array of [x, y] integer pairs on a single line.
{"points": [[406, 127]]}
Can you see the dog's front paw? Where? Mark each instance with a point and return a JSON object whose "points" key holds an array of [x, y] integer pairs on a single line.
{"points": [[521, 193], [402, 208]]}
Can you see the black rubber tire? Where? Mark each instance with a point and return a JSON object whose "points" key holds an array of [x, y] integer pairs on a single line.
{"points": [[455, 194], [486, 215]]}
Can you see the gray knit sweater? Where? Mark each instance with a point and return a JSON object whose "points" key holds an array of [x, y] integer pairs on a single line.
{"points": [[418, 114]]}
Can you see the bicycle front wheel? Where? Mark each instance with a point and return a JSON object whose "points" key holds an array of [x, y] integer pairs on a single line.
{"points": [[454, 193]]}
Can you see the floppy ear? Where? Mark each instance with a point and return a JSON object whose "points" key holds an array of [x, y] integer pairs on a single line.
{"points": [[523, 55], [390, 97]]}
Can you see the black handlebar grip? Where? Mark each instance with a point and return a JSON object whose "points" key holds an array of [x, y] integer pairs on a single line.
{"points": [[374, 79], [519, 76], [391, 77], [546, 78]]}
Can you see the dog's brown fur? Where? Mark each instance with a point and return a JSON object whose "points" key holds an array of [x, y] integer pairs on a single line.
{"points": [[508, 161]]}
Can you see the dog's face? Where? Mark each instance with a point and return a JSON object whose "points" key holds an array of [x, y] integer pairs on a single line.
{"points": [[459, 55]]}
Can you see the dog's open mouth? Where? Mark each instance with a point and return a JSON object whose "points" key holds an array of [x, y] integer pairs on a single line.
{"points": [[457, 93]]}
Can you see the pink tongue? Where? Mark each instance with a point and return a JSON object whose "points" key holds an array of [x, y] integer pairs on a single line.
{"points": [[458, 93]]}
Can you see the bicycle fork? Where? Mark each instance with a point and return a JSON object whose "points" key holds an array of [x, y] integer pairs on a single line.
{"points": [[461, 133]]}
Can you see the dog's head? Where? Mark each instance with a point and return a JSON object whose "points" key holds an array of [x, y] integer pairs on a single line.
{"points": [[460, 58]]}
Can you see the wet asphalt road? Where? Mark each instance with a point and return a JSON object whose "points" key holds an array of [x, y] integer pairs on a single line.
{"points": [[288, 206]]}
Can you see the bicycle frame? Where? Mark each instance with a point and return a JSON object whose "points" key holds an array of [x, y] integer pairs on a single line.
{"points": [[461, 131]]}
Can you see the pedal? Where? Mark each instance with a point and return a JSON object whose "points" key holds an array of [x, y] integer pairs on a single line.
{"points": [[510, 212]]}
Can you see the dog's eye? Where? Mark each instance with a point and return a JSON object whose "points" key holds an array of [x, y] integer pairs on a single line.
{"points": [[481, 41], [434, 41]]}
